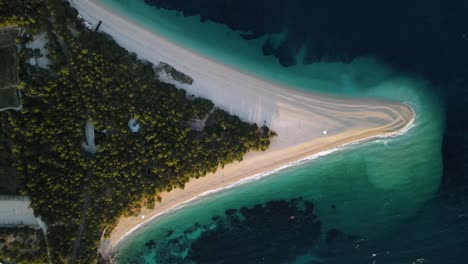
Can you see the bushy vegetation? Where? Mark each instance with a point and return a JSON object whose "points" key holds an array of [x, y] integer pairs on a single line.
{"points": [[8, 177], [22, 246], [79, 195], [8, 68], [20, 12], [173, 73]]}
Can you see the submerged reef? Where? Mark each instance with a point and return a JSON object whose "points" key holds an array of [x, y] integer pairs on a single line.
{"points": [[251, 235]]}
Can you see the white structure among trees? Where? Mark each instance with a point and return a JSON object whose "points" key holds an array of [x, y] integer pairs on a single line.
{"points": [[15, 211]]}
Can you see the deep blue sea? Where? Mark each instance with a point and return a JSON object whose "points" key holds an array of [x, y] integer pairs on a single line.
{"points": [[399, 200]]}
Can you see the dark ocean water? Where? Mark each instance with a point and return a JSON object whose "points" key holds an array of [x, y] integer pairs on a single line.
{"points": [[421, 38], [429, 38]]}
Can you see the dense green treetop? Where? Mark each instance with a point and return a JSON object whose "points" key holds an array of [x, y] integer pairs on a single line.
{"points": [[78, 194], [20, 12]]}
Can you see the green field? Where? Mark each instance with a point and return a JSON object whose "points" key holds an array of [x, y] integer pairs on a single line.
{"points": [[7, 66], [8, 36], [9, 98]]}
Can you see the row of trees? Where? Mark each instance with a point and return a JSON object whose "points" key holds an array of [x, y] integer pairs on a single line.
{"points": [[21, 13], [93, 78]]}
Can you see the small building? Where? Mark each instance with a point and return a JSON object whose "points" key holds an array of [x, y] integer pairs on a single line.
{"points": [[133, 125]]}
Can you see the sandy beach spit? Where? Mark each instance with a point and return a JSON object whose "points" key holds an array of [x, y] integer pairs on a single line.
{"points": [[307, 124]]}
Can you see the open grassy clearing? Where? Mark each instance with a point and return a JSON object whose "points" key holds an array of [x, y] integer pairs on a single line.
{"points": [[8, 68], [9, 98], [8, 36]]}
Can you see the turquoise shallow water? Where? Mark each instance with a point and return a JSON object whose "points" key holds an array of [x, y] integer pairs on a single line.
{"points": [[369, 190]]}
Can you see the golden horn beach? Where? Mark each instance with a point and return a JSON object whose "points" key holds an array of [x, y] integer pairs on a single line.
{"points": [[307, 124]]}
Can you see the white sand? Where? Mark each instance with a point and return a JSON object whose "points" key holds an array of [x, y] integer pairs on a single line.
{"points": [[299, 118]]}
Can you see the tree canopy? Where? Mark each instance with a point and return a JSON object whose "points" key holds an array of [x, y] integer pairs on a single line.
{"points": [[91, 78]]}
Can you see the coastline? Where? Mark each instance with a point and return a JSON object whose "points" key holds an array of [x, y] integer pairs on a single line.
{"points": [[119, 240], [308, 125]]}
